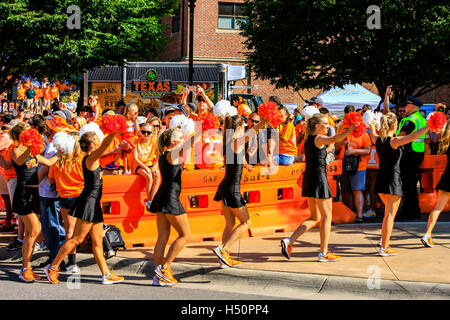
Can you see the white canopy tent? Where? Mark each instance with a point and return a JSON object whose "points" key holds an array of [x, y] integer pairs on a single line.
{"points": [[336, 98]]}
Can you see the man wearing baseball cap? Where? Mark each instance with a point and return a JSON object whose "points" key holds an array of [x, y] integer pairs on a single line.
{"points": [[413, 154], [315, 101]]}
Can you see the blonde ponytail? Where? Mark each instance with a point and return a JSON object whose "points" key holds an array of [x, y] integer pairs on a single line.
{"points": [[386, 123], [311, 124]]}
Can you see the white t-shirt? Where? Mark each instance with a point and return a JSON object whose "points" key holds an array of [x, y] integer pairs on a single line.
{"points": [[72, 106]]}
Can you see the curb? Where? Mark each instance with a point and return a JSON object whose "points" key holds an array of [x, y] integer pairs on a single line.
{"points": [[283, 284]]}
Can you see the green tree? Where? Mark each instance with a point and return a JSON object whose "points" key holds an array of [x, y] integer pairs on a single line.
{"points": [[38, 36], [304, 44]]}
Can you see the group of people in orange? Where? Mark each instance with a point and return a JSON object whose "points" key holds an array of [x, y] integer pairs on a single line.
{"points": [[80, 148]]}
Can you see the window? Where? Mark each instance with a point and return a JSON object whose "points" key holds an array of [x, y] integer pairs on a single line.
{"points": [[176, 21], [231, 15]]}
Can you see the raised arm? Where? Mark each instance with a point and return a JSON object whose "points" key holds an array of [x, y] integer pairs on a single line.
{"points": [[97, 154], [320, 141], [402, 140], [251, 133], [387, 94], [203, 94], [373, 132], [19, 157]]}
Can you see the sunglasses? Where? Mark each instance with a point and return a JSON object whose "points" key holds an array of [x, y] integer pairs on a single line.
{"points": [[440, 109], [254, 121], [146, 132], [26, 119], [156, 125]]}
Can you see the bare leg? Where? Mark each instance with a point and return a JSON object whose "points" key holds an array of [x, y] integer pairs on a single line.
{"points": [[244, 218], [163, 226], [97, 247], [391, 203], [309, 223], [181, 224], [442, 200], [32, 230]]}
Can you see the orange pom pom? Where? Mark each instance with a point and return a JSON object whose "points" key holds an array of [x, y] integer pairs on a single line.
{"points": [[269, 111], [437, 121], [32, 139]]}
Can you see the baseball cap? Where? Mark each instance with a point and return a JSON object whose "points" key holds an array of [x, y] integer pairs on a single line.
{"points": [[315, 100], [61, 114], [87, 109], [414, 101]]}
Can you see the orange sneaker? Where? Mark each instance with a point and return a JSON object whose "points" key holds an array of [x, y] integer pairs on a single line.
{"points": [[165, 274], [388, 252], [52, 274], [329, 257], [35, 275], [223, 256], [234, 263], [286, 248], [26, 275], [427, 241], [111, 279]]}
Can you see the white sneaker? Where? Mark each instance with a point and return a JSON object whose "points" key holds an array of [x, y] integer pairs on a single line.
{"points": [[40, 246], [223, 265], [111, 279], [161, 282], [73, 268], [427, 241]]}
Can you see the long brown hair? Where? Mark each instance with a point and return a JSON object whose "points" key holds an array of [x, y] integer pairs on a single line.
{"points": [[445, 139], [164, 139], [70, 159], [387, 120], [17, 130], [230, 123]]}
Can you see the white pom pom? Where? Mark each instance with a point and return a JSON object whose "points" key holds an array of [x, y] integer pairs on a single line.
{"points": [[223, 107], [92, 127], [368, 117], [309, 111], [186, 125], [377, 120], [64, 142]]}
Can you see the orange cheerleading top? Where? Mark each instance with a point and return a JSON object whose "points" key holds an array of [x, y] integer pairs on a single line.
{"points": [[69, 180]]}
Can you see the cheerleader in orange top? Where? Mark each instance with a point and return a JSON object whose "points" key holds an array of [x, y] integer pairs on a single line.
{"points": [[144, 154], [67, 174]]}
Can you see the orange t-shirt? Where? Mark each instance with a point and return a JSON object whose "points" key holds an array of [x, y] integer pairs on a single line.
{"points": [[54, 92], [46, 94], [357, 143], [243, 110], [289, 143], [38, 94], [21, 94], [11, 172], [69, 180], [146, 152]]}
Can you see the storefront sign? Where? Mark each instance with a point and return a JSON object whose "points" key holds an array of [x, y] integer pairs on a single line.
{"points": [[151, 86]]}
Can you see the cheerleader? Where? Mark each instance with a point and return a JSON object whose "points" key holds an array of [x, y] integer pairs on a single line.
{"points": [[67, 174], [228, 192], [87, 209], [315, 186], [388, 184], [26, 197], [443, 189], [167, 206]]}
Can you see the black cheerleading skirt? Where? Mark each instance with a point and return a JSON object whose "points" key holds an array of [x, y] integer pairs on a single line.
{"points": [[26, 200], [87, 209], [316, 186], [167, 201], [230, 194]]}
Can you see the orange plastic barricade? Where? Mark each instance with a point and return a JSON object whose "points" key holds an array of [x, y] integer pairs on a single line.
{"points": [[433, 166], [274, 202]]}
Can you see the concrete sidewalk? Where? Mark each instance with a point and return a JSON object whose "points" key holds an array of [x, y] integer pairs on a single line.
{"points": [[417, 272]]}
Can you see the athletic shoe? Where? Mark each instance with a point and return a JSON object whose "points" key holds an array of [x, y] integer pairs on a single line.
{"points": [[111, 279], [73, 268], [388, 252], [148, 204], [286, 248], [112, 166], [329, 257], [369, 214], [234, 263], [161, 282], [223, 256], [52, 274], [27, 275], [427, 242], [15, 245], [35, 275], [165, 274], [40, 246]]}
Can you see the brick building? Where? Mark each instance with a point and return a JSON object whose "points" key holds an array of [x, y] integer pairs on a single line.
{"points": [[217, 40]]}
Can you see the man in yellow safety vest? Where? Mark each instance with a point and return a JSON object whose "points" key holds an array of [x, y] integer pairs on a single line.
{"points": [[413, 154]]}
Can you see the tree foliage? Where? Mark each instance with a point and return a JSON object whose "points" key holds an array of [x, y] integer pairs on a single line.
{"points": [[304, 44], [35, 39]]}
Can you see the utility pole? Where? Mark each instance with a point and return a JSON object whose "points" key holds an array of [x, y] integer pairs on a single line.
{"points": [[191, 44]]}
